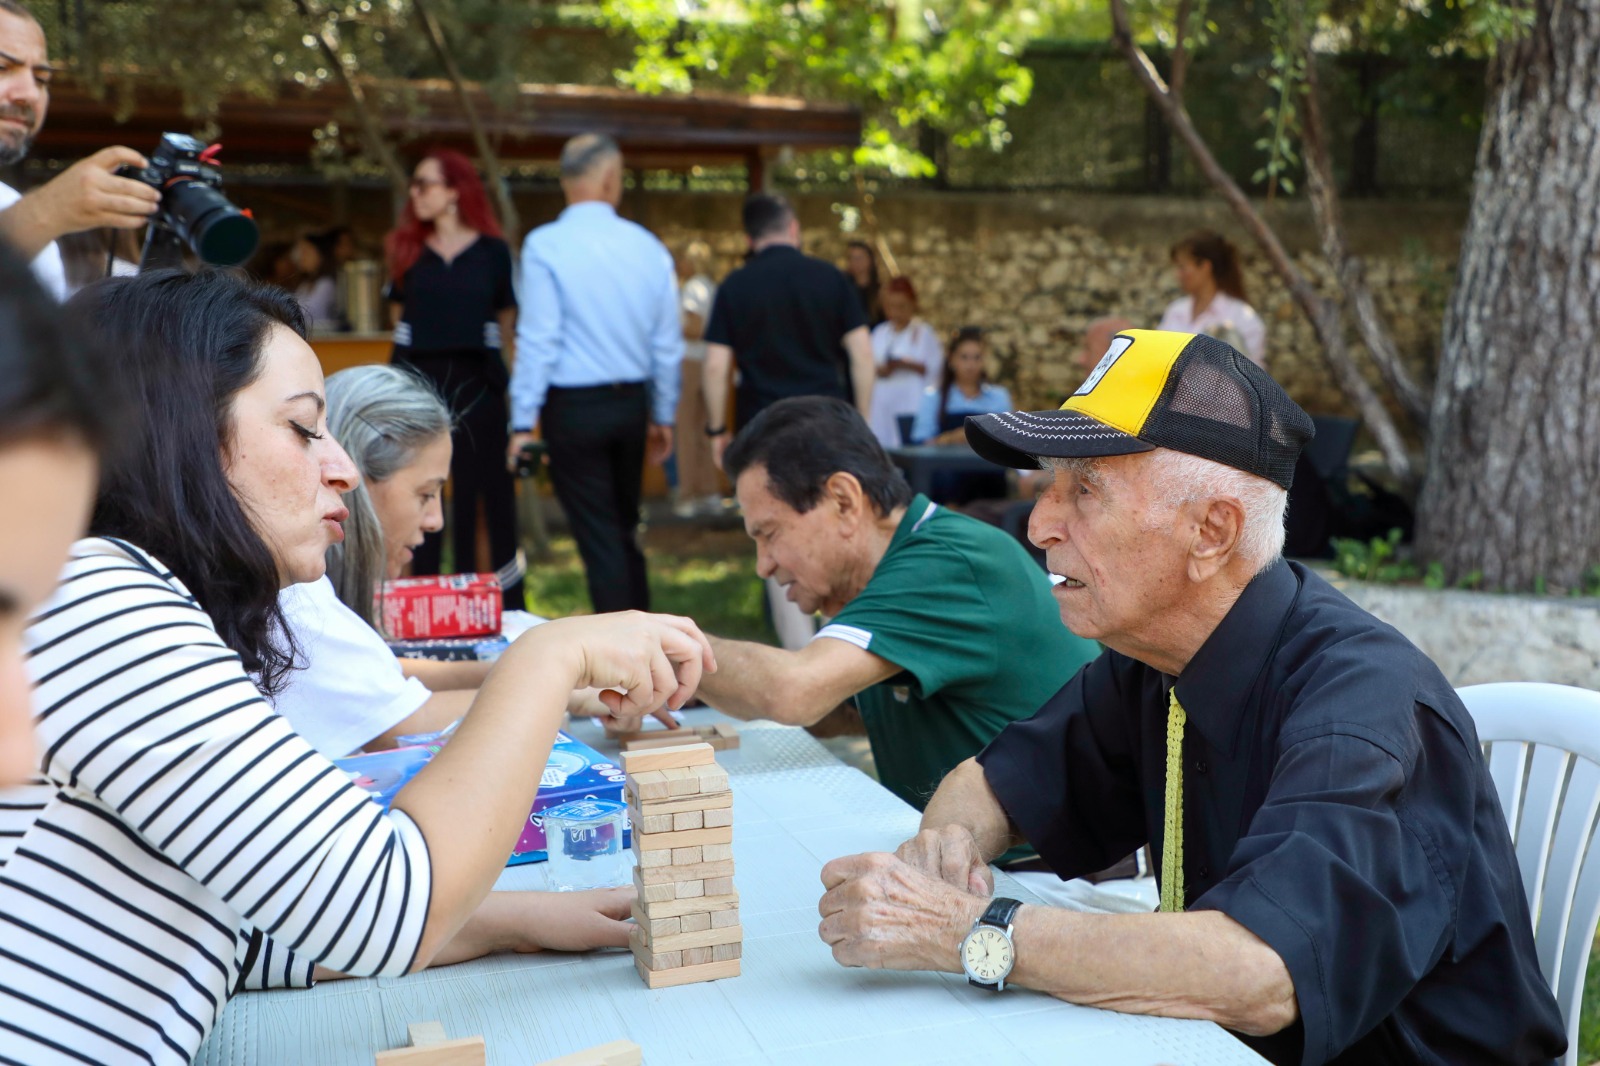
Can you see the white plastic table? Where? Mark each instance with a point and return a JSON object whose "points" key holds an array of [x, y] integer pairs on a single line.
{"points": [[795, 808]]}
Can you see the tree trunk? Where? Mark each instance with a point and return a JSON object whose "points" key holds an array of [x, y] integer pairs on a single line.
{"points": [[1513, 485]]}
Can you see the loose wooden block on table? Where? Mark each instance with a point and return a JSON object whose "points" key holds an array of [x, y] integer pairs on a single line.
{"points": [[616, 1053], [670, 758], [687, 975], [429, 1048]]}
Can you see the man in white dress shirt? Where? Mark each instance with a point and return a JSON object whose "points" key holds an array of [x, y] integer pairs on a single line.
{"points": [[84, 196]]}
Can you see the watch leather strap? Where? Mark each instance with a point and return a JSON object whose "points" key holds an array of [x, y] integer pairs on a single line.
{"points": [[1000, 912]]}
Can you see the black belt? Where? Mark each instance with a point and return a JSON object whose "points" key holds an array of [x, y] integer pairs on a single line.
{"points": [[584, 392]]}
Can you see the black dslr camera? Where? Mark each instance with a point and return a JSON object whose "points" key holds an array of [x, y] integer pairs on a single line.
{"points": [[193, 212]]}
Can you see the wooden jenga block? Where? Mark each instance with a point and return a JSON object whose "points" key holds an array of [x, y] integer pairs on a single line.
{"points": [[682, 780], [713, 852], [713, 905], [727, 733], [699, 802], [704, 938], [696, 956], [685, 856], [657, 875], [663, 926], [710, 777], [650, 859], [430, 1048], [682, 755], [650, 823], [658, 893], [724, 952], [649, 785], [686, 820], [616, 1053], [693, 923], [720, 886], [724, 919], [687, 975], [714, 818], [688, 889], [657, 738], [651, 953], [689, 838]]}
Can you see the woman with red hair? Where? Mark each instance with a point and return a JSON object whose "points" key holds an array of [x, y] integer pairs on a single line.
{"points": [[909, 358], [455, 315]]}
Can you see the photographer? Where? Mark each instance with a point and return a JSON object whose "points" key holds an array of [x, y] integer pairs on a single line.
{"points": [[85, 195]]}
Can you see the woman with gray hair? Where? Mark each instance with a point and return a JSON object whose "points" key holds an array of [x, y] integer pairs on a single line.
{"points": [[349, 691]]}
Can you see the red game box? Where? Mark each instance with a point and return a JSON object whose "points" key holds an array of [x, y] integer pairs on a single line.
{"points": [[450, 605]]}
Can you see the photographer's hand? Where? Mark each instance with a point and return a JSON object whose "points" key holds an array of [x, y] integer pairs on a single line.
{"points": [[86, 195]]}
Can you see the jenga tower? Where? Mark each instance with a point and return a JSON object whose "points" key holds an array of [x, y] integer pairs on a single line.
{"points": [[687, 913]]}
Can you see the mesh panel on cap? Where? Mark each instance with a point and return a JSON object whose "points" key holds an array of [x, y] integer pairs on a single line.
{"points": [[1220, 406]]}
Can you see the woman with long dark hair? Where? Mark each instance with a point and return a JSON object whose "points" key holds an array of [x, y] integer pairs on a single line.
{"points": [[964, 389], [455, 324], [56, 407], [861, 263], [1206, 265], [183, 842]]}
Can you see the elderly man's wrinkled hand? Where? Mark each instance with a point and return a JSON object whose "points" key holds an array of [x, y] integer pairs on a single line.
{"points": [[950, 854], [881, 913]]}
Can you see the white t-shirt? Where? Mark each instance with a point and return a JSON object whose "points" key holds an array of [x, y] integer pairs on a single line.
{"points": [[901, 392], [1223, 316], [351, 689], [47, 265], [695, 299]]}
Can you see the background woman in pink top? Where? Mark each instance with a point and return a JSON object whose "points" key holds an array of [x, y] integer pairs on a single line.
{"points": [[1206, 265]]}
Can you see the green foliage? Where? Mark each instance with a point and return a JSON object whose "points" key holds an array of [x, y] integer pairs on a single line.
{"points": [[1374, 560], [945, 65]]}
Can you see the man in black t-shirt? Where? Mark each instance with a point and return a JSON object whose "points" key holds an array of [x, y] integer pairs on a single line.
{"points": [[792, 324]]}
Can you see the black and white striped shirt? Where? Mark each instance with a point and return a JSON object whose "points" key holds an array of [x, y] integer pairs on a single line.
{"points": [[184, 842]]}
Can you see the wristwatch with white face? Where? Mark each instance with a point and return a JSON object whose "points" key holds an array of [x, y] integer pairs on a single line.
{"points": [[987, 954]]}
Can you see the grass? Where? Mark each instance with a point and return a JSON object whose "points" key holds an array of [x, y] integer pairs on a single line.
{"points": [[708, 575]]}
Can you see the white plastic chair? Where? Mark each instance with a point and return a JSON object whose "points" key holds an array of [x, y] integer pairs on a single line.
{"points": [[1543, 746]]}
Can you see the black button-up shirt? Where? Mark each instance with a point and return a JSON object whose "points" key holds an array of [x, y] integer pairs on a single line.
{"points": [[1336, 804]]}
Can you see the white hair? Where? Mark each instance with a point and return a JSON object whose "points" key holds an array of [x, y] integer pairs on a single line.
{"points": [[1178, 479]]}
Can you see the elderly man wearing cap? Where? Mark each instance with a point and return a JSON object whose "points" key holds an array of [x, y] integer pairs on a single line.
{"points": [[1337, 880]]}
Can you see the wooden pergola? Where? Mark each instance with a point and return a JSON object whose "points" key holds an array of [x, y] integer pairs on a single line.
{"points": [[666, 131]]}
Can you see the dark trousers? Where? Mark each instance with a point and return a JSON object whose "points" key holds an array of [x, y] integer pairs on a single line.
{"points": [[596, 442], [473, 383]]}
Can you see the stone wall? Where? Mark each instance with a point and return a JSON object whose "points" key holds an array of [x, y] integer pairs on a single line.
{"points": [[1037, 287], [1477, 637], [1035, 268]]}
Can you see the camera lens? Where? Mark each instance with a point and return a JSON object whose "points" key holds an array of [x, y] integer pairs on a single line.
{"points": [[219, 233]]}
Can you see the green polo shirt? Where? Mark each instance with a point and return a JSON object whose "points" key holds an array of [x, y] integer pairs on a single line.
{"points": [[968, 617]]}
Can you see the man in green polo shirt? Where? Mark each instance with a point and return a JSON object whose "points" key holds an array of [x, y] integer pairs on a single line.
{"points": [[941, 627]]}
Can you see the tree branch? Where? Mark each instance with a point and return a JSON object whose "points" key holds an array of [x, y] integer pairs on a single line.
{"points": [[371, 129], [1324, 197], [509, 217], [1324, 316], [1180, 50]]}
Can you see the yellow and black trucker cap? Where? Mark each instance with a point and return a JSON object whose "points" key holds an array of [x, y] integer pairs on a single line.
{"points": [[1158, 389]]}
